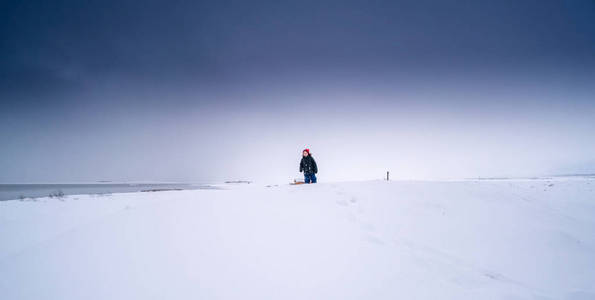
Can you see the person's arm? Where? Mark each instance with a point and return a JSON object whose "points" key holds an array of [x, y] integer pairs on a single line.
{"points": [[314, 166], [301, 165]]}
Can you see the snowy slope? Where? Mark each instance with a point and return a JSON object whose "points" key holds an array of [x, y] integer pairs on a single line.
{"points": [[508, 239]]}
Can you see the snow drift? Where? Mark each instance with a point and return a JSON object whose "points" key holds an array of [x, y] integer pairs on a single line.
{"points": [[501, 239]]}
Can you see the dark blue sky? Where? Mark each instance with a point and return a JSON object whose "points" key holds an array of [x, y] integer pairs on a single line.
{"points": [[191, 90]]}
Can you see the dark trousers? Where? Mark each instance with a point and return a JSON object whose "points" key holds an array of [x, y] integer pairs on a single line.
{"points": [[309, 178]]}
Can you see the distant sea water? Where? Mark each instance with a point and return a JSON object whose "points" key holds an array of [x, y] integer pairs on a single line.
{"points": [[20, 191]]}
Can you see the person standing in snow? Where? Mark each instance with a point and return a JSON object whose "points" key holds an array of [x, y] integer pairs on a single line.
{"points": [[308, 166]]}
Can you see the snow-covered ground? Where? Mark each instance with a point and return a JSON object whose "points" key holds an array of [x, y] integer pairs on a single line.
{"points": [[489, 239]]}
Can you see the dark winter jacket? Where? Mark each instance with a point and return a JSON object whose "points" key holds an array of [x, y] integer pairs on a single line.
{"points": [[308, 165]]}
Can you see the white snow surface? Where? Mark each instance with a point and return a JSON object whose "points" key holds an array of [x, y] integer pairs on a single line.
{"points": [[487, 239]]}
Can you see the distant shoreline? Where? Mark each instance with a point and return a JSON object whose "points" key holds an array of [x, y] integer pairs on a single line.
{"points": [[32, 191]]}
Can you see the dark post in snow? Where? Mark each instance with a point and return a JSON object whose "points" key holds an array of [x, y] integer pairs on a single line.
{"points": [[386, 175]]}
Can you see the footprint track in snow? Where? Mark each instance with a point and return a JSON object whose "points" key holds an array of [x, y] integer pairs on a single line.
{"points": [[355, 209], [342, 202]]}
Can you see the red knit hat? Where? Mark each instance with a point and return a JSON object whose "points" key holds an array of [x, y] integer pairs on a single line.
{"points": [[307, 150]]}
